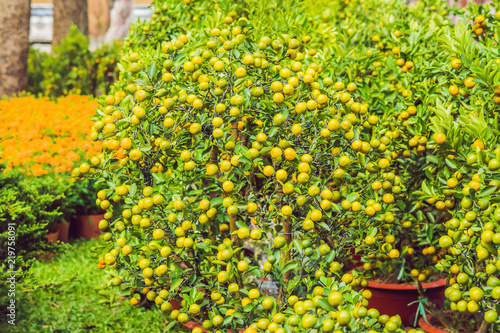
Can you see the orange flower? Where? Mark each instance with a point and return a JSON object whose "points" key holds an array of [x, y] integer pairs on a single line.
{"points": [[46, 136]]}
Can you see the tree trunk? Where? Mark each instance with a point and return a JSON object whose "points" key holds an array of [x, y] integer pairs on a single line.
{"points": [[66, 13], [119, 20], [14, 41]]}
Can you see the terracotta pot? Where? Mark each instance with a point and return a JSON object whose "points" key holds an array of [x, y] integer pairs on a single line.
{"points": [[52, 237], [47, 256], [63, 229], [87, 226], [175, 304], [394, 299]]}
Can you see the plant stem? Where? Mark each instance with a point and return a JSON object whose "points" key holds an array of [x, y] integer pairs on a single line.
{"points": [[438, 314], [214, 156], [287, 230], [232, 219], [232, 229], [484, 325], [234, 133]]}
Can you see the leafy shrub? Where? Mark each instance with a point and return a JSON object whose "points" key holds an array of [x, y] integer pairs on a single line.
{"points": [[104, 71], [170, 17], [72, 198], [26, 216], [80, 197], [72, 68]]}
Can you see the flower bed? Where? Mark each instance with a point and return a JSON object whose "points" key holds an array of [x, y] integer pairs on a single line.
{"points": [[42, 136]]}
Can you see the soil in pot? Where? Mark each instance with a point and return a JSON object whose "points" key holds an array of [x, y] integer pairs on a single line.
{"points": [[401, 299], [465, 322], [87, 226]]}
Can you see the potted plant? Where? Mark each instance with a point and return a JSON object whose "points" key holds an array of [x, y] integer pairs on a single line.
{"points": [[58, 186], [465, 141], [452, 190], [86, 213], [471, 177], [184, 202], [236, 134], [400, 253]]}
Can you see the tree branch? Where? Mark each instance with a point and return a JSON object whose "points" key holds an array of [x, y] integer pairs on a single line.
{"points": [[438, 314]]}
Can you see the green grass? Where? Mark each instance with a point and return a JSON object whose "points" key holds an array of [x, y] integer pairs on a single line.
{"points": [[74, 306]]}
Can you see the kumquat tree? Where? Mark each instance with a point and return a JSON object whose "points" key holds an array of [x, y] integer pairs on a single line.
{"points": [[355, 142]]}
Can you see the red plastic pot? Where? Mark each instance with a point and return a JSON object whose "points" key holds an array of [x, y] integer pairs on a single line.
{"points": [[395, 299], [87, 226], [63, 229], [428, 325]]}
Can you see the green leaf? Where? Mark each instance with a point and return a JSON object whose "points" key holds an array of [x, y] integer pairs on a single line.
{"points": [[324, 226], [289, 266], [432, 159], [330, 256], [151, 70], [451, 163], [265, 150], [323, 302], [243, 159], [297, 245], [240, 224], [133, 189], [352, 197], [146, 148], [457, 235], [425, 188], [488, 190], [216, 202], [273, 131], [175, 285], [472, 193], [248, 307], [170, 325], [228, 319], [162, 92]]}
